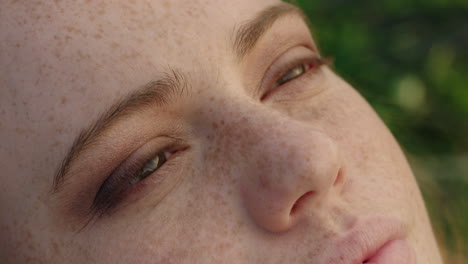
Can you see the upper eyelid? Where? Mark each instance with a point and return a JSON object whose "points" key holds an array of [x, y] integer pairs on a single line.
{"points": [[260, 86]]}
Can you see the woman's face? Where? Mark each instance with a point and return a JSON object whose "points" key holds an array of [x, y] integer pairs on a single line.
{"points": [[210, 132]]}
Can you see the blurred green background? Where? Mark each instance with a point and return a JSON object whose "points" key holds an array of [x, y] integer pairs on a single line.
{"points": [[410, 60]]}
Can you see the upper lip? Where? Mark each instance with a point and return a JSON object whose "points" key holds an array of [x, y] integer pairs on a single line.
{"points": [[363, 240]]}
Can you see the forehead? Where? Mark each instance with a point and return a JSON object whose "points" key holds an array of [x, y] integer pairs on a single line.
{"points": [[69, 37]]}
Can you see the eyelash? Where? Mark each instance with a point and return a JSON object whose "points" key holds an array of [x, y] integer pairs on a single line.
{"points": [[129, 177]]}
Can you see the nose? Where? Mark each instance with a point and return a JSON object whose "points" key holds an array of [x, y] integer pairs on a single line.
{"points": [[289, 167]]}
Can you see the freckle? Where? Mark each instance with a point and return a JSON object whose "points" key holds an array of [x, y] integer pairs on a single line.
{"points": [[55, 246], [222, 122], [20, 130], [97, 36], [31, 247], [114, 45], [63, 100], [57, 54], [214, 125]]}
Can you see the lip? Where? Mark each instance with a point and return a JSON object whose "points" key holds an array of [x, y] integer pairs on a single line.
{"points": [[372, 241], [395, 251]]}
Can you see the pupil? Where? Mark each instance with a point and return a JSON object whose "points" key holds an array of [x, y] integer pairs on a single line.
{"points": [[149, 167], [152, 165]]}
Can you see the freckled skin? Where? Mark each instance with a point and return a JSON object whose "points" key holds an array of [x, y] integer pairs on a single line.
{"points": [[63, 62]]}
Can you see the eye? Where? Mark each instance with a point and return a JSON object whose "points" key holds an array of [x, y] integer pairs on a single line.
{"points": [[291, 65], [129, 178], [293, 74]]}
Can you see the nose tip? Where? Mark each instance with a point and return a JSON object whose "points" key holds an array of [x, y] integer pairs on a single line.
{"points": [[292, 173]]}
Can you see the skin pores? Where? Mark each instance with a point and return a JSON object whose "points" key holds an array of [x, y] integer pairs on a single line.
{"points": [[272, 158]]}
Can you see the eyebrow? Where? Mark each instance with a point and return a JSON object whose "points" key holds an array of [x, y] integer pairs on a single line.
{"points": [[248, 34], [167, 89]]}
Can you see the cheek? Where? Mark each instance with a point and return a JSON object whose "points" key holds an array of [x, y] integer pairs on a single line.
{"points": [[201, 220], [378, 169]]}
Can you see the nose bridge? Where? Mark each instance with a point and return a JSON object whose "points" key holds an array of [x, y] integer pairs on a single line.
{"points": [[284, 160]]}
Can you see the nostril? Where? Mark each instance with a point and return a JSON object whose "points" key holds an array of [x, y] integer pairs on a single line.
{"points": [[301, 201], [339, 177]]}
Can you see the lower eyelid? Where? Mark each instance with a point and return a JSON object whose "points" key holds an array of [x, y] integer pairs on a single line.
{"points": [[137, 191]]}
